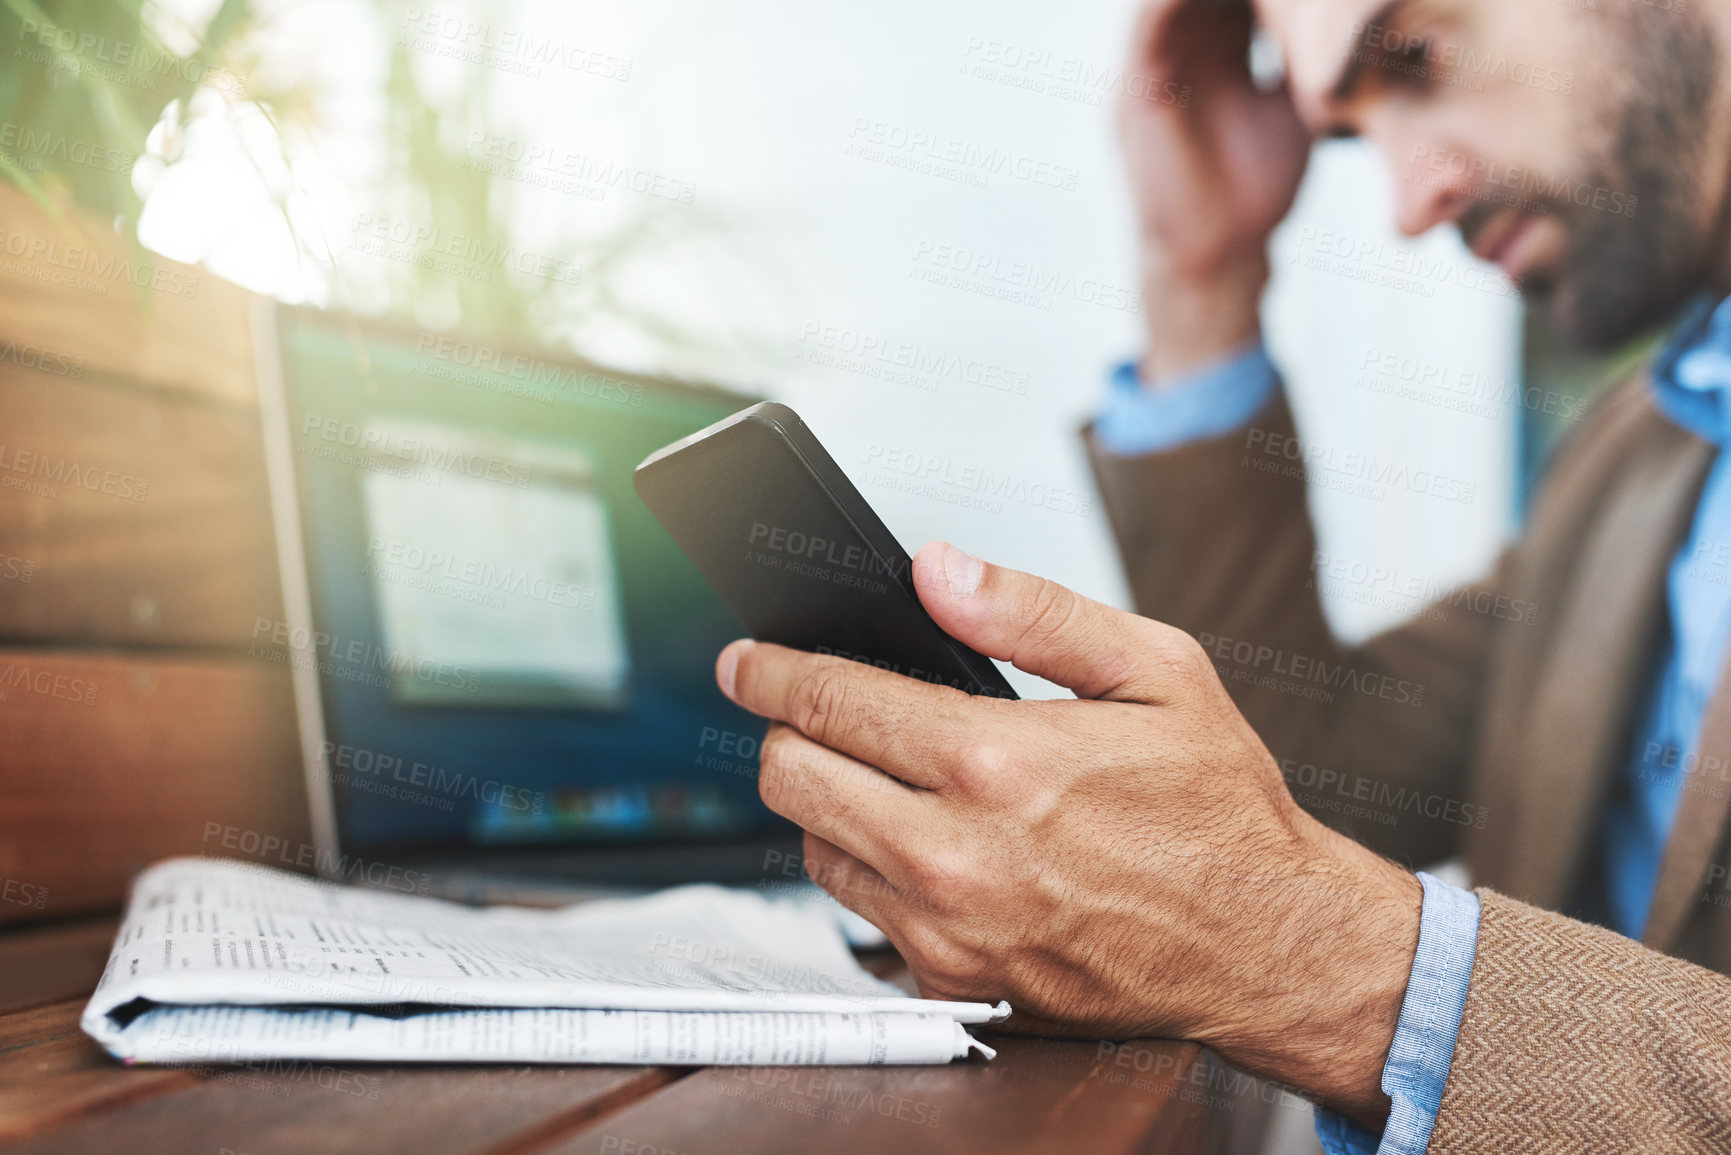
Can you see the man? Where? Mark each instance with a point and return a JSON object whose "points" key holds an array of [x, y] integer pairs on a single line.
{"points": [[1133, 862]]}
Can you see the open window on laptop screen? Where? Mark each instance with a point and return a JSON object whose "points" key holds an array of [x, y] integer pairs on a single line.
{"points": [[507, 649]]}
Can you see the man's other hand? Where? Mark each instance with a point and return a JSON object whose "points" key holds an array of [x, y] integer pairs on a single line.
{"points": [[1127, 864], [1214, 164]]}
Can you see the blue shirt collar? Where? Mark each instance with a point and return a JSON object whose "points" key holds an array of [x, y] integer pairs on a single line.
{"points": [[1692, 377]]}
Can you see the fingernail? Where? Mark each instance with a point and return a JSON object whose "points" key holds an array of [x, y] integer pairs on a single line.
{"points": [[963, 571], [727, 667]]}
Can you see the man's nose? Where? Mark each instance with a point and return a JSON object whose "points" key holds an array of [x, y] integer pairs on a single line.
{"points": [[1433, 185]]}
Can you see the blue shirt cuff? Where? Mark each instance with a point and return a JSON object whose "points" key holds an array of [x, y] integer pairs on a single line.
{"points": [[1424, 1041], [1209, 402]]}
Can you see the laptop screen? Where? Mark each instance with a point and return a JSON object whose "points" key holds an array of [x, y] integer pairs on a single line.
{"points": [[510, 651]]}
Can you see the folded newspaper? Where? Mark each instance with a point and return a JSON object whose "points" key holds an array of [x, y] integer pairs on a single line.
{"points": [[225, 962]]}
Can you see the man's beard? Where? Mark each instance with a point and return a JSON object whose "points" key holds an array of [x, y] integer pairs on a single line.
{"points": [[1624, 271]]}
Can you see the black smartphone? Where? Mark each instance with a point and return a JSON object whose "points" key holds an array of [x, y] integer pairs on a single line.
{"points": [[785, 538]]}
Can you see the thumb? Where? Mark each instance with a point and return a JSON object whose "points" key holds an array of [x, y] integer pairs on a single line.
{"points": [[1053, 632]]}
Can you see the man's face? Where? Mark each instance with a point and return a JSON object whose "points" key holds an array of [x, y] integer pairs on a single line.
{"points": [[1572, 147]]}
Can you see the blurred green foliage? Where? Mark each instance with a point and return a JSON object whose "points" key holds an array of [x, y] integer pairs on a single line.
{"points": [[432, 174], [87, 80], [94, 88]]}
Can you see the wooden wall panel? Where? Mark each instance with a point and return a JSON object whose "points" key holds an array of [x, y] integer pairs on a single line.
{"points": [[71, 288], [113, 761], [136, 556], [130, 518]]}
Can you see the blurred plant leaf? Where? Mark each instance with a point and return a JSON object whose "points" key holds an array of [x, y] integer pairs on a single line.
{"points": [[91, 80], [94, 78]]}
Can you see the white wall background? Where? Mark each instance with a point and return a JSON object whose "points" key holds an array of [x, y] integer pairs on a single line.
{"points": [[757, 103]]}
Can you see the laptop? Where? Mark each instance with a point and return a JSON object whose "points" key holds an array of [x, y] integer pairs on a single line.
{"points": [[502, 665]]}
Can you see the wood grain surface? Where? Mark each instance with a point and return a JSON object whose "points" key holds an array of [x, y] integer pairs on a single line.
{"points": [[113, 761], [130, 518], [75, 292], [53, 963], [1038, 1095], [60, 1093]]}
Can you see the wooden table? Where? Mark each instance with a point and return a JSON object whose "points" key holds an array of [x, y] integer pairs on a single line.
{"points": [[60, 1093]]}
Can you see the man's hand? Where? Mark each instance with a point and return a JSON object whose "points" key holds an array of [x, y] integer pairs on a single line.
{"points": [[1126, 865], [1214, 165]]}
